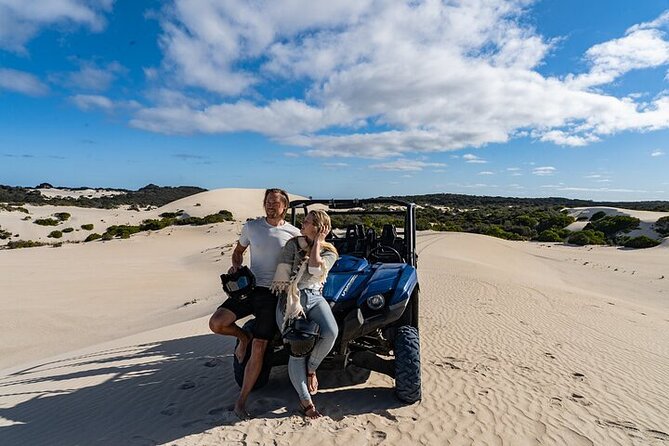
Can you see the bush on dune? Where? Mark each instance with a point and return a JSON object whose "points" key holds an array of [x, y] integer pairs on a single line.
{"points": [[87, 227], [587, 237], [662, 226], [62, 216], [46, 222], [613, 224], [641, 242], [4, 234], [550, 235], [23, 244], [55, 234], [93, 236]]}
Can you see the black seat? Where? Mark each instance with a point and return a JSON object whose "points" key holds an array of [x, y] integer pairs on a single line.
{"points": [[390, 239], [355, 240]]}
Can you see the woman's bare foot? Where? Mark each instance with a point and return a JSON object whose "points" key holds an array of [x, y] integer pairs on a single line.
{"points": [[240, 351], [312, 383], [309, 410]]}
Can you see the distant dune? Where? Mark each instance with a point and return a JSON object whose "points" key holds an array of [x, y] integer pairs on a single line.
{"points": [[648, 218], [243, 203]]}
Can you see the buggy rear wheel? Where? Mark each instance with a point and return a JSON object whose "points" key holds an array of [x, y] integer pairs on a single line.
{"points": [[239, 368], [407, 364]]}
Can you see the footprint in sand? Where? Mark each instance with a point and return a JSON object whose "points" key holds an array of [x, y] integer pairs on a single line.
{"points": [[578, 376], [580, 399], [556, 402], [378, 437], [549, 355]]}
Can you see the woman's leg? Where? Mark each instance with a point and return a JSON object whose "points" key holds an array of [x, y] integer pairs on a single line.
{"points": [[297, 370], [319, 311]]}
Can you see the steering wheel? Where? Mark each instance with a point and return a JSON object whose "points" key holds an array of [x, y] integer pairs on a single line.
{"points": [[383, 253]]}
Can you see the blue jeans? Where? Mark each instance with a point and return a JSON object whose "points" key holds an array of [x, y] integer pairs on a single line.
{"points": [[317, 309]]}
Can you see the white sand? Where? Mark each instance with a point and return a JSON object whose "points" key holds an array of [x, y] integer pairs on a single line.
{"points": [[522, 343]]}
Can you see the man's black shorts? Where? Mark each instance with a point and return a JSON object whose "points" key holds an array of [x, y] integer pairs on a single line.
{"points": [[262, 303]]}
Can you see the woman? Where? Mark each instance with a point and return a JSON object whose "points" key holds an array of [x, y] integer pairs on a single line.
{"points": [[303, 268]]}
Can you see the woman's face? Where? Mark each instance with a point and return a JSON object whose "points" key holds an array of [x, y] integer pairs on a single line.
{"points": [[309, 230]]}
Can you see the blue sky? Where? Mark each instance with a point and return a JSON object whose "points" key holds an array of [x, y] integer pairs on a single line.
{"points": [[349, 98]]}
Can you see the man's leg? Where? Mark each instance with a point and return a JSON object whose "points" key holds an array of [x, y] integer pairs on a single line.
{"points": [[251, 373], [223, 322]]}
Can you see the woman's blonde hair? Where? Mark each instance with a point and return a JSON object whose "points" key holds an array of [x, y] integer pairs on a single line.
{"points": [[321, 219]]}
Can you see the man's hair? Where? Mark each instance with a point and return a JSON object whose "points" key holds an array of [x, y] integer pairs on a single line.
{"points": [[284, 197]]}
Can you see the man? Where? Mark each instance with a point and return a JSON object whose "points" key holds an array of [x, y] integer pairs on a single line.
{"points": [[266, 236]]}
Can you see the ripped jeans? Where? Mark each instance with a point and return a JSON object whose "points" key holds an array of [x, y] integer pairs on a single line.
{"points": [[317, 309]]}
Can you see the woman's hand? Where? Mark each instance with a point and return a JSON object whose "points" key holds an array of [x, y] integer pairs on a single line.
{"points": [[325, 230]]}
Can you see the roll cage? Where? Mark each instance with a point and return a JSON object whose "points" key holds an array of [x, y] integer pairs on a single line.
{"points": [[366, 242]]}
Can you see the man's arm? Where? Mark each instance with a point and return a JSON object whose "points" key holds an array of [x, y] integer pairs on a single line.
{"points": [[237, 257]]}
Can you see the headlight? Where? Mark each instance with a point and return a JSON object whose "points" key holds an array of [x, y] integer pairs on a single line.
{"points": [[376, 302]]}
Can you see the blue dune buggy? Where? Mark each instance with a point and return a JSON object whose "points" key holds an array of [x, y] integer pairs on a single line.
{"points": [[373, 292]]}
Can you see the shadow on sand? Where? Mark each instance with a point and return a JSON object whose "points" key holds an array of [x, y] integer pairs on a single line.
{"points": [[152, 394]]}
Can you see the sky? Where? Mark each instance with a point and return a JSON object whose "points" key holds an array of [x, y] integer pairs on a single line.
{"points": [[350, 98]]}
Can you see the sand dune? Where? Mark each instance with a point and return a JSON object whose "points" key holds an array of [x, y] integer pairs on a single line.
{"points": [[648, 219], [522, 343], [243, 203]]}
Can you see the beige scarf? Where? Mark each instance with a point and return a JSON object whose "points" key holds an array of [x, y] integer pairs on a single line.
{"points": [[286, 279]]}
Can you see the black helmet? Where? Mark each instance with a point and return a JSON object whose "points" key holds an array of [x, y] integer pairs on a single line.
{"points": [[300, 336], [239, 283]]}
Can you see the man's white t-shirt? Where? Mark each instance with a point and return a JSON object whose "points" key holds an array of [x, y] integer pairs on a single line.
{"points": [[266, 243]]}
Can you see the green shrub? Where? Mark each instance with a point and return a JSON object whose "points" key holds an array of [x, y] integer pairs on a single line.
{"points": [[62, 216], [55, 234], [87, 227], [26, 218], [122, 231], [66, 230], [641, 242], [613, 224], [46, 222], [107, 236], [4, 234], [587, 237], [23, 244], [171, 214], [662, 226], [550, 235], [598, 215], [496, 231], [93, 236], [156, 225]]}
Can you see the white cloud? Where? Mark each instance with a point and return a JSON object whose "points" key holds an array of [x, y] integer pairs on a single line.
{"points": [[291, 155], [89, 102], [640, 48], [405, 165], [21, 82], [335, 165], [657, 153], [473, 159], [92, 77], [436, 76], [21, 20], [544, 171], [513, 169], [486, 172]]}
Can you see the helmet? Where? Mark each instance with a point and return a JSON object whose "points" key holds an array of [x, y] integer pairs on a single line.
{"points": [[239, 283], [300, 336]]}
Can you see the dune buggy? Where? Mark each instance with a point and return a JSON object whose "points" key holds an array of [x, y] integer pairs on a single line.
{"points": [[372, 290]]}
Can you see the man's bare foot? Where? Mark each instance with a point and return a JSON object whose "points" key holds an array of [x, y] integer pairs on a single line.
{"points": [[312, 383], [241, 412], [240, 351]]}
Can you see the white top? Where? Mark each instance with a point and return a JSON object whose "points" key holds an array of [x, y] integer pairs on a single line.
{"points": [[266, 242]]}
